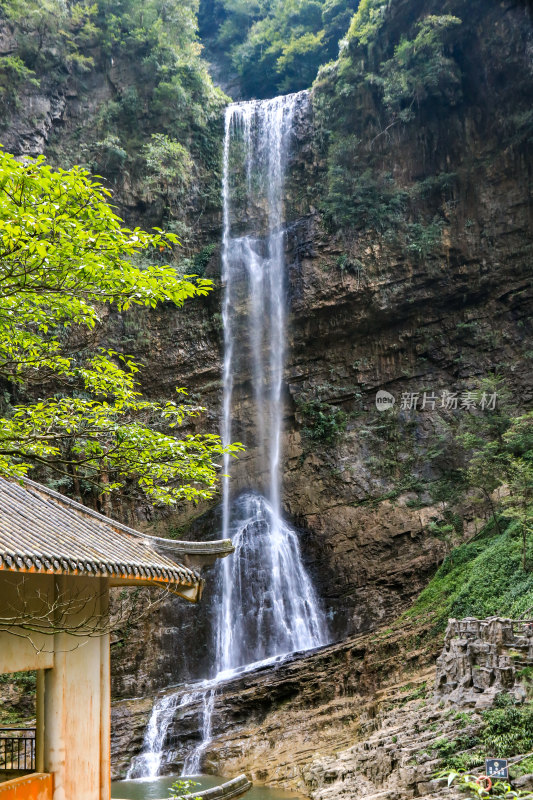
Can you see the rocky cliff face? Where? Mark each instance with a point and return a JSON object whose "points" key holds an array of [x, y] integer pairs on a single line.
{"points": [[368, 312], [317, 699], [370, 716]]}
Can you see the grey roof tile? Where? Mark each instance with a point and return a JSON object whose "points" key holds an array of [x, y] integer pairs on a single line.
{"points": [[43, 531]]}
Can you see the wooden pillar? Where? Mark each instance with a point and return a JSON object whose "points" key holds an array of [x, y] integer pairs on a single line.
{"points": [[76, 700], [105, 701], [39, 724]]}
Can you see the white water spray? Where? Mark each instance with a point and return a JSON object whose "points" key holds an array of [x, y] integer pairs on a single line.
{"points": [[148, 763], [265, 604]]}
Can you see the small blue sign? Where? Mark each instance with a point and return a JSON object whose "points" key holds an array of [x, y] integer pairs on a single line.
{"points": [[496, 768]]}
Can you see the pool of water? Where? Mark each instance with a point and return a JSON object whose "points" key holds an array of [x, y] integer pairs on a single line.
{"points": [[158, 789]]}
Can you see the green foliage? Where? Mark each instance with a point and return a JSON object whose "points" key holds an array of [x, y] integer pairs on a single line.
{"points": [[169, 168], [201, 259], [164, 120], [19, 706], [390, 439], [418, 693], [468, 783], [464, 761], [491, 574], [518, 504], [419, 69], [53, 38], [323, 422], [481, 578], [367, 21], [111, 155], [197, 264], [448, 526], [422, 239], [64, 254], [360, 199], [350, 266], [508, 727], [276, 46], [182, 787], [14, 75], [500, 452], [450, 752], [26, 680], [363, 103], [524, 767]]}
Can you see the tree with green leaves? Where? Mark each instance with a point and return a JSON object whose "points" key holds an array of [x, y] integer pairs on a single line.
{"points": [[64, 258]]}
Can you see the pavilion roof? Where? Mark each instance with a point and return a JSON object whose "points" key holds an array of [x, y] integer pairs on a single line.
{"points": [[42, 531]]}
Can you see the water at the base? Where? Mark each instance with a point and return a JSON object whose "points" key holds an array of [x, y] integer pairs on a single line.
{"points": [[265, 604], [159, 788]]}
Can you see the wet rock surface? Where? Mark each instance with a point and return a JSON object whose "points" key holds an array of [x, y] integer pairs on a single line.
{"points": [[270, 721], [361, 718]]}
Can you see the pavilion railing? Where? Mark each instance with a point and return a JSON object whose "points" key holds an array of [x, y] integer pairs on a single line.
{"points": [[17, 749]]}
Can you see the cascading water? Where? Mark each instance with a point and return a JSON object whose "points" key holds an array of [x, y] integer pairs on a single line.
{"points": [[265, 604], [192, 763], [148, 763]]}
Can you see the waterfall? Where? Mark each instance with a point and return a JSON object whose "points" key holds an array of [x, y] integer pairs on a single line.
{"points": [[192, 763], [264, 601], [148, 763]]}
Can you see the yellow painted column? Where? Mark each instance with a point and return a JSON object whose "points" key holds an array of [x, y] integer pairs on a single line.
{"points": [[39, 722], [105, 701], [76, 701]]}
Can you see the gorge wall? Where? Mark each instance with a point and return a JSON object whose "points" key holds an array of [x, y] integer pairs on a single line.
{"points": [[409, 257], [369, 716], [434, 298]]}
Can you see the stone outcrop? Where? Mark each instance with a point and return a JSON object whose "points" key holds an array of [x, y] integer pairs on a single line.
{"points": [[364, 718], [480, 659], [396, 761], [315, 701], [399, 759]]}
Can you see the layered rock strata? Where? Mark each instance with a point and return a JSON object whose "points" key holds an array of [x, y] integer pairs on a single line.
{"points": [[363, 718]]}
